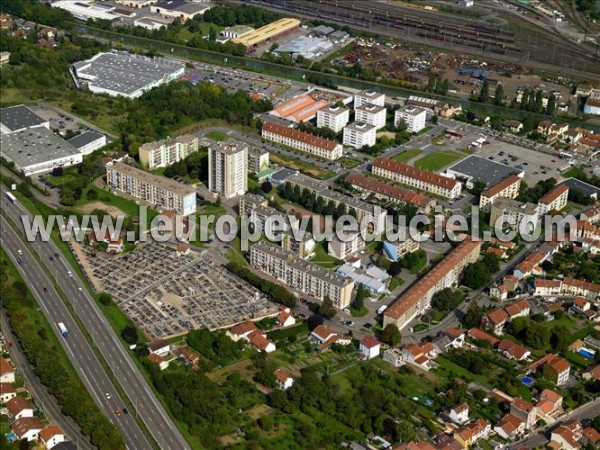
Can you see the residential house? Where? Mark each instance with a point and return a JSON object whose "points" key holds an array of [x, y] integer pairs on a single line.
{"points": [[592, 374], [420, 355], [566, 436], [477, 334], [394, 356], [456, 336], [547, 288], [27, 428], [158, 360], [469, 434], [285, 318], [459, 414], [369, 347], [283, 380], [499, 291], [19, 407], [553, 367], [52, 435], [258, 338], [495, 320], [591, 437], [524, 410], [7, 373], [512, 350], [187, 355], [510, 427], [520, 308], [160, 347], [549, 402], [7, 392], [241, 330]]}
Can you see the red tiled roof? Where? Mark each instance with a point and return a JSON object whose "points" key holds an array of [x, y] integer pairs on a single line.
{"points": [[25, 424], [369, 341], [553, 194], [591, 435], [243, 328], [5, 388], [49, 431], [476, 333], [389, 190], [515, 350], [523, 405], [595, 372], [17, 404], [323, 332], [551, 396], [281, 375], [301, 136], [412, 172], [497, 188], [411, 297], [517, 307], [5, 367], [497, 316], [259, 340]]}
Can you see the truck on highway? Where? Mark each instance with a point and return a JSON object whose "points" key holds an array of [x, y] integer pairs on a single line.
{"points": [[63, 329], [381, 309], [11, 198]]}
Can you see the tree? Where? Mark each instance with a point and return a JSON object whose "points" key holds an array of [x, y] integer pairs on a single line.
{"points": [[212, 34], [266, 187], [551, 106], [105, 298], [484, 94], [539, 101], [130, 334], [491, 262], [391, 335], [478, 187], [326, 309], [499, 95], [524, 100], [476, 276]]}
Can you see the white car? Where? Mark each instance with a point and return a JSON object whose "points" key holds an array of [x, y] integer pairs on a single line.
{"points": [[70, 274], [19, 252], [107, 396]]}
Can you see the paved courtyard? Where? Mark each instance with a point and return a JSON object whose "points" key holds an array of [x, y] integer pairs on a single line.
{"points": [[167, 295]]}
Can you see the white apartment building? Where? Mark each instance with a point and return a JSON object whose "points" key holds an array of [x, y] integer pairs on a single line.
{"points": [[342, 249], [300, 140], [333, 117], [227, 168], [413, 116], [507, 188], [301, 275], [554, 200], [160, 192], [417, 178], [169, 151], [368, 96], [358, 135], [371, 114]]}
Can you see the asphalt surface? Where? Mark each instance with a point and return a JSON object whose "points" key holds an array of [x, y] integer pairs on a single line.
{"points": [[88, 367], [38, 391], [123, 368]]}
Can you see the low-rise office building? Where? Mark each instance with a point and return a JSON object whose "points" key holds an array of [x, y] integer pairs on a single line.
{"points": [[169, 151], [358, 135], [300, 140], [333, 117], [507, 188], [445, 274], [371, 114], [413, 116], [160, 192], [180, 9], [301, 275], [417, 178]]}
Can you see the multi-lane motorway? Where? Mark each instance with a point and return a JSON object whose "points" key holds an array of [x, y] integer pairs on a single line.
{"points": [[120, 363]]}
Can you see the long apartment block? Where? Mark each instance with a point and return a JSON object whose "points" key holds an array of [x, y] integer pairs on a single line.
{"points": [[169, 151], [362, 210], [301, 275], [417, 178], [299, 140], [507, 188], [445, 274], [159, 192]]}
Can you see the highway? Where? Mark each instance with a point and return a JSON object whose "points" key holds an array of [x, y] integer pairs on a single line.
{"points": [[123, 368], [91, 372]]}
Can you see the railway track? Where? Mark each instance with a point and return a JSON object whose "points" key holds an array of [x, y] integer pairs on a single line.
{"points": [[536, 47]]}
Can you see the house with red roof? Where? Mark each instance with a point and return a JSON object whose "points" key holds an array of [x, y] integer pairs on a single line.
{"points": [[7, 373], [469, 434], [325, 336], [593, 374], [549, 402], [283, 380], [52, 435], [369, 347], [241, 330], [158, 360], [511, 350], [258, 338], [420, 355], [458, 414], [27, 428], [285, 318], [19, 407], [7, 392], [553, 367], [510, 427], [524, 410], [495, 320], [477, 334], [567, 436]]}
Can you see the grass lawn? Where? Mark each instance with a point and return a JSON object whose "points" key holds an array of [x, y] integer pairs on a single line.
{"points": [[437, 160], [439, 140], [448, 370], [324, 259], [217, 136], [395, 283], [306, 168], [359, 312], [185, 34], [573, 172], [424, 130], [407, 155], [348, 163]]}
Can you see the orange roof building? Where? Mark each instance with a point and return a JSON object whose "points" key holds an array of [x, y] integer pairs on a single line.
{"points": [[300, 140]]}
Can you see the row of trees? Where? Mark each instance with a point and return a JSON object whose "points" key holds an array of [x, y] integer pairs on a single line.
{"points": [[277, 292], [195, 165], [41, 352], [315, 203], [533, 194], [478, 274], [437, 84], [230, 15]]}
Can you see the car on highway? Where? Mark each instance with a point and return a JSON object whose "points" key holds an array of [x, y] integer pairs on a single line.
{"points": [[107, 395], [19, 252], [70, 274], [118, 412], [45, 290]]}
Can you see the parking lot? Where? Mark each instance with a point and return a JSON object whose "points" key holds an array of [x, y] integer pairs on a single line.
{"points": [[166, 295]]}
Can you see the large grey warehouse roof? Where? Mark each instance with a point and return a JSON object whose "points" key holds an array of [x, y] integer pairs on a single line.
{"points": [[84, 139], [483, 169], [35, 146], [124, 72], [19, 117], [581, 186], [182, 6]]}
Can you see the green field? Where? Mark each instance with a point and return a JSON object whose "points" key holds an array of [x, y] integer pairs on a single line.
{"points": [[324, 259], [407, 155], [217, 136], [437, 160]]}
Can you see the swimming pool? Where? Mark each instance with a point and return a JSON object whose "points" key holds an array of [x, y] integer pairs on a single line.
{"points": [[528, 381], [589, 354]]}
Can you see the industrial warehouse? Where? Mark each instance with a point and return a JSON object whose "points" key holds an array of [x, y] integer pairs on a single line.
{"points": [[124, 74]]}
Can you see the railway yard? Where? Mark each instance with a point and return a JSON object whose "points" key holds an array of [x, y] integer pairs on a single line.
{"points": [[499, 35]]}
